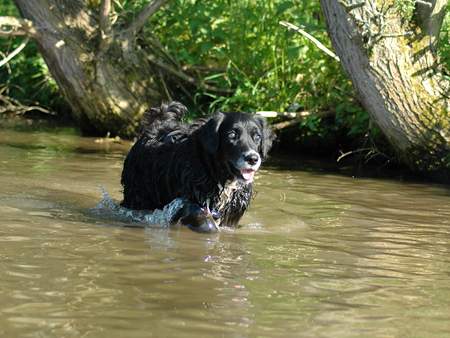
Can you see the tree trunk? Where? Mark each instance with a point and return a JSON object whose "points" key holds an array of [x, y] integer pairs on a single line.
{"points": [[393, 65], [106, 80]]}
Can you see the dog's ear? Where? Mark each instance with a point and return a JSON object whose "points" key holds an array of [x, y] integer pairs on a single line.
{"points": [[267, 136], [208, 134]]}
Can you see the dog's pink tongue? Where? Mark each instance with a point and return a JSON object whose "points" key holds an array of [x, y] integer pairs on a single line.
{"points": [[248, 174]]}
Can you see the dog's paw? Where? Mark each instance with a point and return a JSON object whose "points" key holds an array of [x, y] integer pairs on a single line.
{"points": [[197, 218], [206, 226]]}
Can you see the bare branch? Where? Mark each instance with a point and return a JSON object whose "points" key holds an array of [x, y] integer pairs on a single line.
{"points": [[285, 124], [14, 52], [294, 118], [350, 7], [11, 26], [352, 152], [319, 44], [105, 25], [185, 77], [144, 15], [425, 3], [397, 35], [12, 106], [271, 114], [430, 16]]}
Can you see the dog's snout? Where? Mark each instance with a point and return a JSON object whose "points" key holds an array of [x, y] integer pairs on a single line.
{"points": [[252, 158]]}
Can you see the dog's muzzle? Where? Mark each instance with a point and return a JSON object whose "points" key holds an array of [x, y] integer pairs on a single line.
{"points": [[248, 164]]}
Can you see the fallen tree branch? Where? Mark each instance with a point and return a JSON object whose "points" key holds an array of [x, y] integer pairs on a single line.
{"points": [[370, 153], [137, 24], [311, 38], [8, 105], [11, 26], [352, 152], [183, 76], [16, 51], [285, 124], [296, 117], [158, 46], [270, 114]]}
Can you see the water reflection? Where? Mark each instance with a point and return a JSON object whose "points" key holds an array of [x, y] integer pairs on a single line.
{"points": [[321, 255]]}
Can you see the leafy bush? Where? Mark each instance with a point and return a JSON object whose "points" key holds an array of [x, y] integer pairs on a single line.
{"points": [[444, 41], [26, 77], [244, 47], [236, 45]]}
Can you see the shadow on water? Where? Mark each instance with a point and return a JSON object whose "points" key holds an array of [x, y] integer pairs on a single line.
{"points": [[320, 254], [283, 161]]}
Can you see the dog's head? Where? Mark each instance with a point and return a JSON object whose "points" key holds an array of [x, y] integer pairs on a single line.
{"points": [[238, 140]]}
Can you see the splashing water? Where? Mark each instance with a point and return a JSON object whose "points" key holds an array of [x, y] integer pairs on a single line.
{"points": [[157, 218]]}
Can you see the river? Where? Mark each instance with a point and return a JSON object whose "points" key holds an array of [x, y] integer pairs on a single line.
{"points": [[320, 254]]}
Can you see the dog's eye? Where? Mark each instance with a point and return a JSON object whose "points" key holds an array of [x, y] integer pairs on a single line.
{"points": [[257, 138], [232, 135]]}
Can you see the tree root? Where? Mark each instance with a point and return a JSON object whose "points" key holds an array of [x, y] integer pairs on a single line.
{"points": [[10, 106]]}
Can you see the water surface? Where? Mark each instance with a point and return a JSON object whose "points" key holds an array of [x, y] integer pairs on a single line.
{"points": [[319, 255]]}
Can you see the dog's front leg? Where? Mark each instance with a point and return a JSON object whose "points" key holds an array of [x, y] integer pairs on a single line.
{"points": [[196, 218]]}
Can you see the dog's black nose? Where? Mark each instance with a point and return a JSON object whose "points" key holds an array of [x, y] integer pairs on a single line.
{"points": [[252, 158]]}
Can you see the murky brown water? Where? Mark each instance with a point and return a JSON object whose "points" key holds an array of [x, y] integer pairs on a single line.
{"points": [[321, 255]]}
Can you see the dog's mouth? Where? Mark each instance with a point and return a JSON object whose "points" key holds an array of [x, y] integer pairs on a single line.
{"points": [[245, 174], [248, 174]]}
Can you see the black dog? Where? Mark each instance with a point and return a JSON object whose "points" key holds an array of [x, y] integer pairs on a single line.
{"points": [[210, 164]]}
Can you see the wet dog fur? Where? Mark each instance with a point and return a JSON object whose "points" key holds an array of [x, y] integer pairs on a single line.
{"points": [[209, 163]]}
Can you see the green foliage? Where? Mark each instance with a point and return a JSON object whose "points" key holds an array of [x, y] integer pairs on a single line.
{"points": [[444, 40], [242, 41], [243, 46], [26, 77], [405, 8], [236, 45]]}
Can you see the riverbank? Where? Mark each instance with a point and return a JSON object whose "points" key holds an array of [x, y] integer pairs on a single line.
{"points": [[335, 154]]}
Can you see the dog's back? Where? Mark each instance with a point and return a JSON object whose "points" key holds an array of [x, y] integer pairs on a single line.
{"points": [[145, 163], [158, 122]]}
